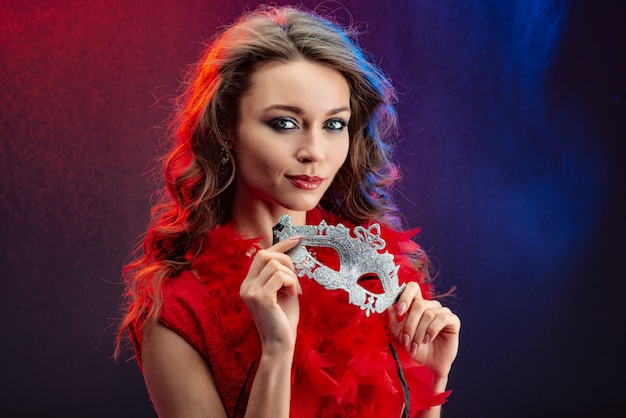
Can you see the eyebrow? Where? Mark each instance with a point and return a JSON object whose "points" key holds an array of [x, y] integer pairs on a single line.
{"points": [[299, 111]]}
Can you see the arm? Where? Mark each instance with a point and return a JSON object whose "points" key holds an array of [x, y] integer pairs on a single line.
{"points": [[435, 412], [430, 333], [270, 292], [270, 395], [178, 379], [181, 383]]}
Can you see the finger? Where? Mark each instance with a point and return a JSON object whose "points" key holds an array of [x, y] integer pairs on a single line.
{"points": [[283, 283], [286, 244], [274, 278], [420, 316], [272, 266], [411, 291], [275, 252], [412, 321], [425, 331], [444, 320]]}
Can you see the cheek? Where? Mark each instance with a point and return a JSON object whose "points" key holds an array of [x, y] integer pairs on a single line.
{"points": [[340, 154], [258, 163], [252, 167]]}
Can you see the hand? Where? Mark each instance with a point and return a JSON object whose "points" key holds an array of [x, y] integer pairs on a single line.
{"points": [[429, 331], [270, 291]]}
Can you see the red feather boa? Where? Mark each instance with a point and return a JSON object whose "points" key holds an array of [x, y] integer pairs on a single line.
{"points": [[341, 355]]}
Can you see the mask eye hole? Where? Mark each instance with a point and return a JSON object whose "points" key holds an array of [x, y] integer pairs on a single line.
{"points": [[327, 255], [371, 282]]}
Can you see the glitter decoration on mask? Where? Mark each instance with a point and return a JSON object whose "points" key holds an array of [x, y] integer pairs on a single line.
{"points": [[359, 256]]}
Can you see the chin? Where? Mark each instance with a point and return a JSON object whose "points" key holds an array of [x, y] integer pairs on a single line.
{"points": [[302, 205]]}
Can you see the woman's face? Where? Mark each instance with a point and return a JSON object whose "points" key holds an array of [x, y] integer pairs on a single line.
{"points": [[292, 136]]}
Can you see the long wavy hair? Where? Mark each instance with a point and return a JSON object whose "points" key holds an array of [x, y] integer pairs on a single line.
{"points": [[197, 194]]}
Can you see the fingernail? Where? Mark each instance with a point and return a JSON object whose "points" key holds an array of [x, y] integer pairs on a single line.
{"points": [[401, 308], [414, 348], [405, 340], [294, 238], [426, 339]]}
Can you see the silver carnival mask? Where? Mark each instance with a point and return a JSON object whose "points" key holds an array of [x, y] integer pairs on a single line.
{"points": [[359, 256]]}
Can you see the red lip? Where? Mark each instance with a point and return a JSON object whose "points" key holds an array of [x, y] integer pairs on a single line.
{"points": [[306, 182]]}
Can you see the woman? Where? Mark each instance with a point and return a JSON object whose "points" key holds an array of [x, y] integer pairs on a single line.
{"points": [[284, 115]]}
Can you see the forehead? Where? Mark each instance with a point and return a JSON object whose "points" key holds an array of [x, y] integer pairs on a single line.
{"points": [[299, 83]]}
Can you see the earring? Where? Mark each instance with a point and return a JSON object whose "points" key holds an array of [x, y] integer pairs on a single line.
{"points": [[224, 156]]}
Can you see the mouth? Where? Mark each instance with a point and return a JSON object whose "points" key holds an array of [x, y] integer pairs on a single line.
{"points": [[306, 182]]}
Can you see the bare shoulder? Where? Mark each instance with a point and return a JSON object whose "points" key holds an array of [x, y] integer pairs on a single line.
{"points": [[179, 380]]}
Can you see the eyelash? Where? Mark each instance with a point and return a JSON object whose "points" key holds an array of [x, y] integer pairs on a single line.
{"points": [[277, 122], [342, 124]]}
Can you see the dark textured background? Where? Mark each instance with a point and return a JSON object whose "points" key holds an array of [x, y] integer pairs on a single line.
{"points": [[513, 122]]}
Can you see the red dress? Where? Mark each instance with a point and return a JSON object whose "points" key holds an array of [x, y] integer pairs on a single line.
{"points": [[344, 363]]}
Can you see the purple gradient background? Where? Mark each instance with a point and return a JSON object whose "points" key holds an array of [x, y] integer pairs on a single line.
{"points": [[512, 126]]}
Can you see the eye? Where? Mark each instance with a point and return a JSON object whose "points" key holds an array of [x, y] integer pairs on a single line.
{"points": [[283, 124], [335, 124]]}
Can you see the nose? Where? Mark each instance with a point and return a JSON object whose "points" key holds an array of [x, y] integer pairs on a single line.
{"points": [[311, 149]]}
